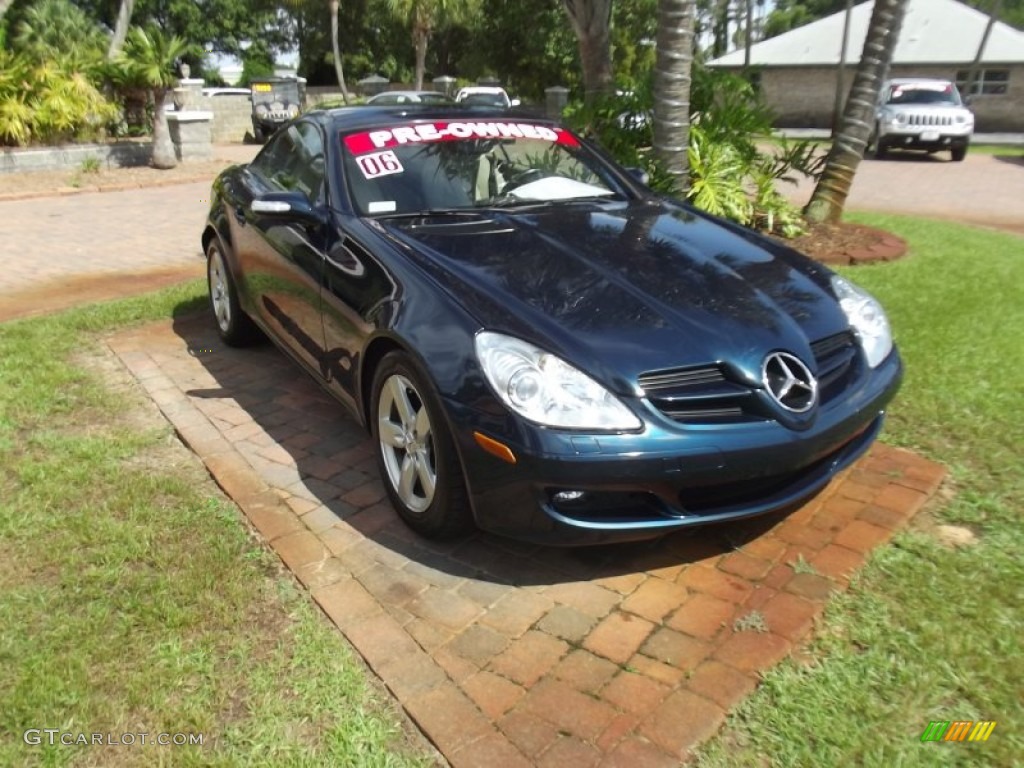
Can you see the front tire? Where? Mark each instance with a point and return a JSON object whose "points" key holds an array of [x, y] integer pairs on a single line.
{"points": [[881, 149], [958, 153], [415, 452], [234, 326]]}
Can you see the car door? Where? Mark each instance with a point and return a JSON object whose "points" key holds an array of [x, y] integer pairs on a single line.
{"points": [[356, 292], [282, 255]]}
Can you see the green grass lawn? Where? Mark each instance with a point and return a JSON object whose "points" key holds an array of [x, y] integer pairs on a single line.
{"points": [[926, 632], [132, 598], [1005, 150]]}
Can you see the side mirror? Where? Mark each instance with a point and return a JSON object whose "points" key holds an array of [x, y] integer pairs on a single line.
{"points": [[516, 102], [286, 205]]}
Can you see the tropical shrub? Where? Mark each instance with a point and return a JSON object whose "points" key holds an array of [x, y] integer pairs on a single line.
{"points": [[49, 102], [735, 162], [49, 77]]}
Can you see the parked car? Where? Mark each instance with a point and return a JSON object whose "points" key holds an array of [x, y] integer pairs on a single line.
{"points": [[226, 91], [923, 114], [485, 96], [275, 101], [537, 342], [408, 97]]}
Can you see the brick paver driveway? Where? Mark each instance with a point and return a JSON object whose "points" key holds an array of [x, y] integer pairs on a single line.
{"points": [[509, 654]]}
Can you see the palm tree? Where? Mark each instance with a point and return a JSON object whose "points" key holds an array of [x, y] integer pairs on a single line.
{"points": [[149, 61], [4, 5], [833, 187], [124, 17], [674, 46], [336, 47], [58, 29], [591, 21], [425, 16]]}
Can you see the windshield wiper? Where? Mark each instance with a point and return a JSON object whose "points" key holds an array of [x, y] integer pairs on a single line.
{"points": [[511, 201], [426, 213]]}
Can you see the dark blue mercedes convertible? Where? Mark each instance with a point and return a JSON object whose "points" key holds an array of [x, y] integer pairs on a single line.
{"points": [[538, 343]]}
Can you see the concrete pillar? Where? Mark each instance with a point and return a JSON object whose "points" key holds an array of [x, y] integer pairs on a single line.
{"points": [[188, 94], [191, 134]]}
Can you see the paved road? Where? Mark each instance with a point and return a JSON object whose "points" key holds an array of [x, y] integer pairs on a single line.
{"points": [[65, 250], [984, 189], [61, 251]]}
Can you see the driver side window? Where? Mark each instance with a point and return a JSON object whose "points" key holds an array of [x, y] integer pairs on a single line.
{"points": [[293, 161]]}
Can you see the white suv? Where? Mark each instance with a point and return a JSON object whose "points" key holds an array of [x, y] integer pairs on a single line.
{"points": [[485, 96], [925, 114]]}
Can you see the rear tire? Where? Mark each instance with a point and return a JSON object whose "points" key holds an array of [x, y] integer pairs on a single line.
{"points": [[415, 451], [234, 326], [958, 154]]}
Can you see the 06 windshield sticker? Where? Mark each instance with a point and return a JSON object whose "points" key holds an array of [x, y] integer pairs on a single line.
{"points": [[384, 138], [379, 164]]}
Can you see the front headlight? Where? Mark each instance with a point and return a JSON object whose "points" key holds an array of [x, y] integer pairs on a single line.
{"points": [[547, 390], [867, 318]]}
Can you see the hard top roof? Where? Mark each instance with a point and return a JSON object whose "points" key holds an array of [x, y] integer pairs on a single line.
{"points": [[355, 118]]}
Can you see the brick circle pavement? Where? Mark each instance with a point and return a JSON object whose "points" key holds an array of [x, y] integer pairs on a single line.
{"points": [[506, 653]]}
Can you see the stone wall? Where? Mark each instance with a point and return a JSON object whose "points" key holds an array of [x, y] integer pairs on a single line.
{"points": [[232, 117], [803, 97], [121, 154]]}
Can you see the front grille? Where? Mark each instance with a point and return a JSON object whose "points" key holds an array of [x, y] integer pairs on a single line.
{"points": [[699, 394], [929, 120], [834, 357], [705, 394], [659, 381]]}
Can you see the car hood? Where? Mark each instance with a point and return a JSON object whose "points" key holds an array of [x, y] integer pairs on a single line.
{"points": [[619, 289]]}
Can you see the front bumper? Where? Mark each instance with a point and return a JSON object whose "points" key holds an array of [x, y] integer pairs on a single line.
{"points": [[932, 138], [668, 477]]}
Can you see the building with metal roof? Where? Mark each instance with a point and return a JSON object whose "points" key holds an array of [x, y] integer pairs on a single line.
{"points": [[939, 38]]}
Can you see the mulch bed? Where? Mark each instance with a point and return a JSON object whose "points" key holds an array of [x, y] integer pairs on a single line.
{"points": [[846, 243]]}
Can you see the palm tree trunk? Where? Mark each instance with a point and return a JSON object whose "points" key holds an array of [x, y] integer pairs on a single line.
{"points": [[124, 17], [972, 73], [833, 187], [591, 21], [420, 38], [163, 148], [673, 59], [336, 47]]}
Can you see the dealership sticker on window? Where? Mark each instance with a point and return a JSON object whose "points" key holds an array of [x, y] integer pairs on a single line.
{"points": [[379, 164], [361, 143]]}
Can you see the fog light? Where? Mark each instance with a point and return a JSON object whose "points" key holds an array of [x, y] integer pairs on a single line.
{"points": [[564, 496]]}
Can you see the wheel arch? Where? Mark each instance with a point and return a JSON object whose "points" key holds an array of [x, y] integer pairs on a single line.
{"points": [[372, 355]]}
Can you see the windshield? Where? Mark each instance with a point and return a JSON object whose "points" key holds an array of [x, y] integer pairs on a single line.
{"points": [[267, 93], [484, 100], [444, 165], [923, 93]]}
